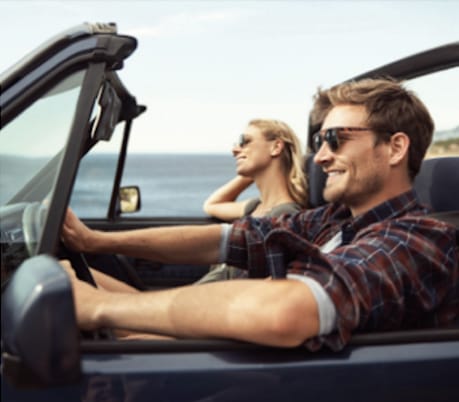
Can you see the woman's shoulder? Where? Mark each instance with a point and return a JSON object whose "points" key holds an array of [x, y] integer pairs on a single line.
{"points": [[287, 208], [251, 205]]}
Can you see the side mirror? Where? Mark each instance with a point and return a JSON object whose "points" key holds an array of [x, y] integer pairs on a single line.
{"points": [[39, 331], [129, 199]]}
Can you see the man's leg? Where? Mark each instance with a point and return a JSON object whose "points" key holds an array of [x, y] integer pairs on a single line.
{"points": [[111, 284]]}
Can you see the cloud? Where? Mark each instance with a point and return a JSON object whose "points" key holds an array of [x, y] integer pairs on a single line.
{"points": [[179, 24]]}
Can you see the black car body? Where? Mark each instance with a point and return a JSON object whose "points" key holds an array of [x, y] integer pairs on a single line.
{"points": [[72, 80]]}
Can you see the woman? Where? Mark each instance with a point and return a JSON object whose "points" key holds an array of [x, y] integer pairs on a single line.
{"points": [[269, 155]]}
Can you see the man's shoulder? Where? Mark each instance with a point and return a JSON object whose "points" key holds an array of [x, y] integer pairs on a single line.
{"points": [[448, 217], [417, 226], [430, 219]]}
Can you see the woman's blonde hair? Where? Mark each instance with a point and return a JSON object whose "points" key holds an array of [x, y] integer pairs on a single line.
{"points": [[292, 157]]}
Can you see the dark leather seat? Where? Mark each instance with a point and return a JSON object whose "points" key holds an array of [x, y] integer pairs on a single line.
{"points": [[437, 183], [316, 182]]}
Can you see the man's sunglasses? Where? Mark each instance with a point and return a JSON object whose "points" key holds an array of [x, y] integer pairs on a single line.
{"points": [[332, 137]]}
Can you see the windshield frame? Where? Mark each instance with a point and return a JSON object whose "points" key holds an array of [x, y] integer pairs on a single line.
{"points": [[74, 149], [44, 209]]}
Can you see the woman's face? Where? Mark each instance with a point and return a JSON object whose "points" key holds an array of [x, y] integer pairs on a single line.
{"points": [[253, 153]]}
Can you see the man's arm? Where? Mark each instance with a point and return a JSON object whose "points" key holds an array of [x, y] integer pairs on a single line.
{"points": [[278, 313], [180, 244]]}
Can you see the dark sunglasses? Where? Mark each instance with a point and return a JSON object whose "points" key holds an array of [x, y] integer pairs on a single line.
{"points": [[332, 137], [243, 141]]}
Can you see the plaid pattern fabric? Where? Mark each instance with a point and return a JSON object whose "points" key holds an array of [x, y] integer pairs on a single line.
{"points": [[396, 268]]}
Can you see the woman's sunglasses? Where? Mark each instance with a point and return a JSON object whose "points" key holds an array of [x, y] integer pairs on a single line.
{"points": [[243, 140], [332, 137]]}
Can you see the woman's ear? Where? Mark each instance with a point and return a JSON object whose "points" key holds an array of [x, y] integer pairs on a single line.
{"points": [[399, 145], [277, 147]]}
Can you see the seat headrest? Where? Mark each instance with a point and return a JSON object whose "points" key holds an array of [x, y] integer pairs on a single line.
{"points": [[437, 183], [316, 182]]}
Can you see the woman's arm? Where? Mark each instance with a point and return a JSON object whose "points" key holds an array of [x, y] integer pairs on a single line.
{"points": [[222, 202]]}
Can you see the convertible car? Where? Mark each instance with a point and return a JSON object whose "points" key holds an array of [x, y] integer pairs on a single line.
{"points": [[58, 105]]}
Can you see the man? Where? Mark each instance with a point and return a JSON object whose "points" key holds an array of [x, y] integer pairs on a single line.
{"points": [[369, 260]]}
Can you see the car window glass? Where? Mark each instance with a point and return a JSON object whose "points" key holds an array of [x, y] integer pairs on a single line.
{"points": [[30, 141]]}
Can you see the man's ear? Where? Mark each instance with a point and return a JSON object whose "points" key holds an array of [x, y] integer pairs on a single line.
{"points": [[399, 145], [277, 147]]}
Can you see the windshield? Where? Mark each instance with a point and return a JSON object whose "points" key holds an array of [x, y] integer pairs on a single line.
{"points": [[30, 156], [30, 141]]}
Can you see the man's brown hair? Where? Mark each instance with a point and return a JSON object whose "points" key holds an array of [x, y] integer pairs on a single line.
{"points": [[391, 108]]}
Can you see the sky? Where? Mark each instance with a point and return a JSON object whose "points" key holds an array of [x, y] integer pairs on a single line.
{"points": [[205, 68]]}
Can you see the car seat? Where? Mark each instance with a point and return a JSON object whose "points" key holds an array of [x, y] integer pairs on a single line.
{"points": [[316, 182], [437, 183]]}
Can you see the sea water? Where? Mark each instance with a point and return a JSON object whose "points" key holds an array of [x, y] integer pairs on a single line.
{"points": [[171, 185]]}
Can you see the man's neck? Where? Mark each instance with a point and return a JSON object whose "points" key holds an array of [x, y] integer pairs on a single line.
{"points": [[378, 199]]}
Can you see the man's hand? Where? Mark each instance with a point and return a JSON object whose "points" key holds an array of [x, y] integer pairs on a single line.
{"points": [[75, 234]]}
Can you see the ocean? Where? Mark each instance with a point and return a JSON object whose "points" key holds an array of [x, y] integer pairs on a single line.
{"points": [[171, 185]]}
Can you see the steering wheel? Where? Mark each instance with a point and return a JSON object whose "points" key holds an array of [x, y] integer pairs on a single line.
{"points": [[33, 218], [79, 264], [82, 271]]}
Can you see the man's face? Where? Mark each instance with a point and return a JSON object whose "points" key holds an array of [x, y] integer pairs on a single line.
{"points": [[358, 170]]}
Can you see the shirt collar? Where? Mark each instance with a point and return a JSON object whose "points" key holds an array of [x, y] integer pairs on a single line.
{"points": [[390, 209]]}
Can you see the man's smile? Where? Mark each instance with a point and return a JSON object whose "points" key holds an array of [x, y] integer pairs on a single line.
{"points": [[334, 174]]}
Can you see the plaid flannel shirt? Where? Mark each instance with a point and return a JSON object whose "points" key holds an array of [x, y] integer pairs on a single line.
{"points": [[395, 269]]}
